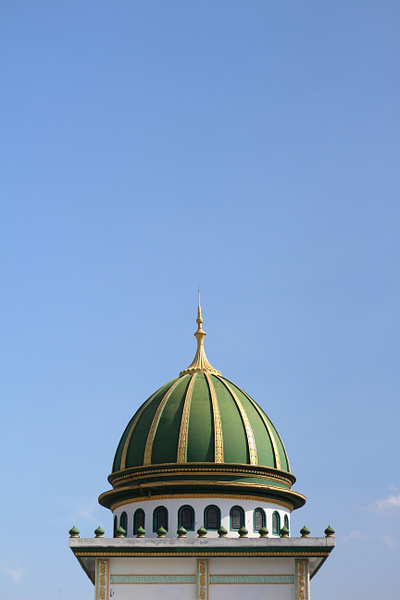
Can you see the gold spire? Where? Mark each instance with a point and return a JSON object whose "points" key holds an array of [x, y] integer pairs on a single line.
{"points": [[200, 363]]}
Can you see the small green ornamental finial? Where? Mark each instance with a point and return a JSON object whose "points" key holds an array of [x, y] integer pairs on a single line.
{"points": [[263, 532], [120, 532], [181, 532], [202, 532], [243, 532], [99, 532], [329, 532], [284, 532], [305, 532], [161, 532], [73, 532], [140, 532], [222, 532]]}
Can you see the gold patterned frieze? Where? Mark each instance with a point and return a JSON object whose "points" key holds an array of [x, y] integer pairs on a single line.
{"points": [[202, 579], [302, 588], [102, 590]]}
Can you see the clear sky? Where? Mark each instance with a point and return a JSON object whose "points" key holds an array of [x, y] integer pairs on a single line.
{"points": [[251, 148]]}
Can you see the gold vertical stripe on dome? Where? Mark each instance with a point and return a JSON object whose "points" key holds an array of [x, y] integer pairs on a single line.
{"points": [[152, 432], [251, 443], [218, 442], [270, 433], [182, 442], [132, 427]]}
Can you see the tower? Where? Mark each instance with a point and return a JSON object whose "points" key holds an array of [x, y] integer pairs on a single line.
{"points": [[201, 499]]}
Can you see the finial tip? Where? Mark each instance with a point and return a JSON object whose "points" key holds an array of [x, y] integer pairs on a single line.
{"points": [[200, 363], [198, 304]]}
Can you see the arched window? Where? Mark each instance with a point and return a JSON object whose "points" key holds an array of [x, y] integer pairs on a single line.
{"points": [[259, 519], [286, 521], [115, 525], [186, 518], [138, 520], [237, 517], [160, 518], [276, 523], [123, 521], [212, 517]]}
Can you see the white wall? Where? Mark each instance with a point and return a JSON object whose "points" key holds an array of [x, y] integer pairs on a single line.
{"points": [[216, 566], [154, 592]]}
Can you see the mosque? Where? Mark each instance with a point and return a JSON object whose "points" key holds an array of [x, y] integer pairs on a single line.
{"points": [[201, 500]]}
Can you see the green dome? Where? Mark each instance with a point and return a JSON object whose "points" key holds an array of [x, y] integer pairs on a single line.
{"points": [[201, 434], [200, 418]]}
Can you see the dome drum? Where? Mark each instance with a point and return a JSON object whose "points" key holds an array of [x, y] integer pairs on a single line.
{"points": [[130, 515]]}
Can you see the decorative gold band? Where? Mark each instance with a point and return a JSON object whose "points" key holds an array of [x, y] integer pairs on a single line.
{"points": [[182, 443], [264, 553], [260, 491], [196, 469], [142, 499], [218, 443]]}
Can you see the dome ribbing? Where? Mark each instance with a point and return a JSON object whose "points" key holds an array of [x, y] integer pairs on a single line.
{"points": [[200, 418]]}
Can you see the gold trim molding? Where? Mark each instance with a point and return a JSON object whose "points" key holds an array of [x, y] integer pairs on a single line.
{"points": [[269, 431], [102, 575], [178, 496], [218, 443], [237, 468], [202, 579], [130, 481], [183, 432], [264, 553]]}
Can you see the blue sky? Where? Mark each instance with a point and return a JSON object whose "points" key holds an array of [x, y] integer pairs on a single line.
{"points": [[251, 148]]}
